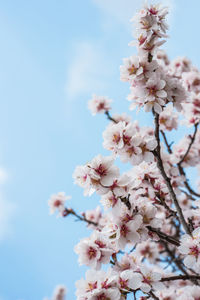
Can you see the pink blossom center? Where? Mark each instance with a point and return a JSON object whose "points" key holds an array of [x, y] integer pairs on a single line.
{"points": [[92, 286], [132, 70], [147, 280], [126, 139], [103, 297], [123, 283], [141, 39], [194, 251], [92, 252], [127, 218], [145, 251], [124, 230], [101, 106], [100, 244], [101, 170], [196, 82], [130, 151], [153, 11], [105, 285], [152, 90], [57, 203], [116, 138]]}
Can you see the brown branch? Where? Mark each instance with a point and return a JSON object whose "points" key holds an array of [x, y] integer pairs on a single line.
{"points": [[182, 172], [166, 142], [164, 236], [153, 295], [178, 262], [70, 211], [171, 212], [126, 201], [181, 277], [188, 195], [179, 164], [165, 177], [190, 144], [109, 117]]}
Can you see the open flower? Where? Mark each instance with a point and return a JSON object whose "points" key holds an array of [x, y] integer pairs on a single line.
{"points": [[57, 202], [99, 104]]}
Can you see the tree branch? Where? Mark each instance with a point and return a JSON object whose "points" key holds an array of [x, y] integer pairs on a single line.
{"points": [[70, 211], [153, 295], [166, 142], [109, 117], [181, 277], [182, 172], [164, 236], [165, 177], [190, 144]]}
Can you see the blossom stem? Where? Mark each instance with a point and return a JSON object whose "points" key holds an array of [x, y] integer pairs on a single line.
{"points": [[166, 142], [70, 211], [164, 236], [190, 144], [109, 117], [174, 259]]}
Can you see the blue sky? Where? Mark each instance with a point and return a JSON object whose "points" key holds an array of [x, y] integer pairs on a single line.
{"points": [[53, 56]]}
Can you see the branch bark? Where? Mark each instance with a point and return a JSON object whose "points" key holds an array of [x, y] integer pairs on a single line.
{"points": [[109, 117], [181, 277], [165, 177], [190, 144], [164, 236], [70, 211]]}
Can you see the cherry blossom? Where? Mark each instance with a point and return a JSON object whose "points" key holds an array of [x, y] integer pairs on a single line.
{"points": [[57, 202], [150, 279], [190, 247], [99, 104], [95, 250], [168, 118]]}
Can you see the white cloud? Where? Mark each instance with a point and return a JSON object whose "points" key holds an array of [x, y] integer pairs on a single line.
{"points": [[121, 10], [88, 71], [6, 210]]}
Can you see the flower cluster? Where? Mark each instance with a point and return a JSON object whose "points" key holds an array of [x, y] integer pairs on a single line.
{"points": [[130, 142], [114, 285], [147, 230], [151, 85]]}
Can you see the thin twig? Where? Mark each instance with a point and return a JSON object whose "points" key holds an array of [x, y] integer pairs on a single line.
{"points": [[153, 295], [164, 236], [170, 211], [180, 277], [109, 117], [70, 211], [190, 144], [178, 262], [175, 259], [182, 172], [166, 142]]}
